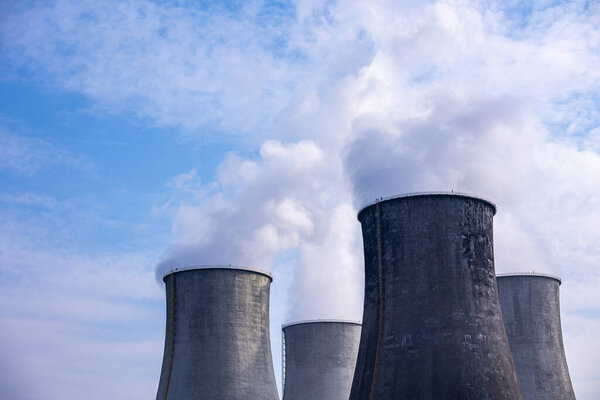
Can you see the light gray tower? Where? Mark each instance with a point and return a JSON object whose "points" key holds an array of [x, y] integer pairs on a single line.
{"points": [[432, 326], [531, 312], [319, 359], [217, 343]]}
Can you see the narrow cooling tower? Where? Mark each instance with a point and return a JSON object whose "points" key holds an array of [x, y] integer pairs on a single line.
{"points": [[432, 327], [319, 359], [531, 312], [217, 343]]}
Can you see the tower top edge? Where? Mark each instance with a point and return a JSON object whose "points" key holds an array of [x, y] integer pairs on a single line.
{"points": [[530, 274], [427, 194], [216, 267], [328, 321]]}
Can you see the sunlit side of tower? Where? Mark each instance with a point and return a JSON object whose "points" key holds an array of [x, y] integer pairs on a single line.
{"points": [[319, 359], [531, 312], [217, 335]]}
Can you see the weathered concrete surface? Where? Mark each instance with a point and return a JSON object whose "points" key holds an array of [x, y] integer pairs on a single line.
{"points": [[218, 320], [432, 327], [320, 358], [531, 312]]}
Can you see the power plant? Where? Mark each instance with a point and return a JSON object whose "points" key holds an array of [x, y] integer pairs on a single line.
{"points": [[319, 358], [217, 342], [438, 324], [432, 326], [531, 311]]}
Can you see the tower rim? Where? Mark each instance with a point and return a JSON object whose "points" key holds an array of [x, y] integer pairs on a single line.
{"points": [[217, 267], [366, 205], [530, 274], [314, 321]]}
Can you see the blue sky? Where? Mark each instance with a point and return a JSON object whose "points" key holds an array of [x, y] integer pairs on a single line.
{"points": [[137, 135]]}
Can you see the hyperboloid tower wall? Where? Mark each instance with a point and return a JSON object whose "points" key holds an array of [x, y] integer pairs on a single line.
{"points": [[432, 327], [217, 339], [319, 359], [531, 312]]}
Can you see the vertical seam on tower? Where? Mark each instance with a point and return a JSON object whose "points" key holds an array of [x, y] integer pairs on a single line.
{"points": [[171, 332], [283, 363], [380, 281]]}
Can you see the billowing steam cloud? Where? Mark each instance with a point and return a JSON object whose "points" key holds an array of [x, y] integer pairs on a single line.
{"points": [[436, 97], [291, 200], [477, 145]]}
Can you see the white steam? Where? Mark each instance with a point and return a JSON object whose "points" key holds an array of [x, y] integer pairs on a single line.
{"points": [[437, 97], [291, 199]]}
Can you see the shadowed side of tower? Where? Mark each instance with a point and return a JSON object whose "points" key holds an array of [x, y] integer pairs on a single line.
{"points": [[531, 313], [432, 326], [320, 357], [217, 342]]}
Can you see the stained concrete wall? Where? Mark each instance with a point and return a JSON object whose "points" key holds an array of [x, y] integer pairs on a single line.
{"points": [[320, 357], [531, 312], [432, 327], [217, 338]]}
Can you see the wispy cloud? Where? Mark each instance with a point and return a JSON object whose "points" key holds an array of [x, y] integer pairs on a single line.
{"points": [[70, 361], [28, 155], [63, 314], [29, 199], [168, 64]]}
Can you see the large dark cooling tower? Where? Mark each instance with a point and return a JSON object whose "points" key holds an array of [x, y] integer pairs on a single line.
{"points": [[432, 327], [319, 359], [217, 341], [531, 312]]}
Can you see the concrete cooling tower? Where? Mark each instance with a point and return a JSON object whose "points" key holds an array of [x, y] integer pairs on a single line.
{"points": [[319, 358], [432, 326], [531, 312], [217, 343]]}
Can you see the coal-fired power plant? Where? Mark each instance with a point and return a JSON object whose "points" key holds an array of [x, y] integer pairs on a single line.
{"points": [[438, 324], [319, 358], [432, 326], [217, 343], [531, 312]]}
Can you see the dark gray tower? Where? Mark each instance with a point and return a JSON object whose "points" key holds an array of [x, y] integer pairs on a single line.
{"points": [[319, 359], [217, 343], [531, 312], [432, 327]]}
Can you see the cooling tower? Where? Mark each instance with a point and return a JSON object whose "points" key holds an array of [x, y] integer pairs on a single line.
{"points": [[432, 326], [531, 312], [217, 339], [319, 358]]}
